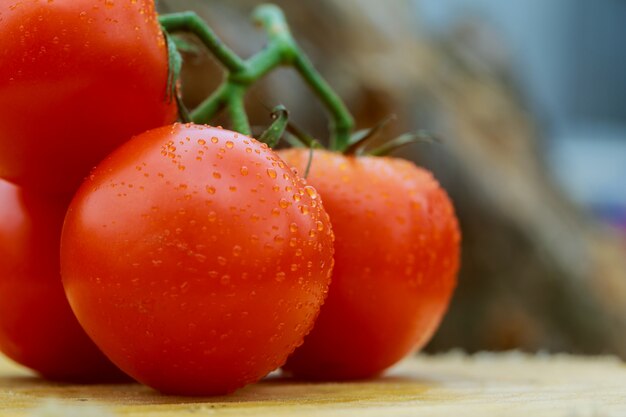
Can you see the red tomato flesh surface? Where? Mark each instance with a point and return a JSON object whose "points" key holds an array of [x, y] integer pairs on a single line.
{"points": [[77, 79], [37, 326], [397, 256], [196, 259]]}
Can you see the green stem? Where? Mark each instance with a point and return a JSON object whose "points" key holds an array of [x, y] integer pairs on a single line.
{"points": [[281, 50], [272, 20], [191, 22], [237, 110], [211, 106], [272, 135], [342, 121]]}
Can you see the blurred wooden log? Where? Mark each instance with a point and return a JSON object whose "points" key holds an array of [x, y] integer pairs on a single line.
{"points": [[537, 272]]}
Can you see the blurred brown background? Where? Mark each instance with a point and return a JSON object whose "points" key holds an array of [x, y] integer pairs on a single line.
{"points": [[544, 258]]}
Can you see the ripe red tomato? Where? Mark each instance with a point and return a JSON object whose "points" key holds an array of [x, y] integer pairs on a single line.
{"points": [[196, 259], [68, 67], [397, 255], [37, 326]]}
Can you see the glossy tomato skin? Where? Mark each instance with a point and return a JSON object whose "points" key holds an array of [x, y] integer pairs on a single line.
{"points": [[196, 259], [37, 326], [397, 255], [77, 79]]}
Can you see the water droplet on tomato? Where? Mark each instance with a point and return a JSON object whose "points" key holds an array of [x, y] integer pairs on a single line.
{"points": [[311, 192], [271, 173]]}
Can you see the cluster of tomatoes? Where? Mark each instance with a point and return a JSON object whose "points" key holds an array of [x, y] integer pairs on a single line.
{"points": [[192, 258]]}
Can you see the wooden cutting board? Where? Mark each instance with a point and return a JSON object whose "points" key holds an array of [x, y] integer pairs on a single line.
{"points": [[506, 384]]}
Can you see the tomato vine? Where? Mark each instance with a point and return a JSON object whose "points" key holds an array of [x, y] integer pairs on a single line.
{"points": [[282, 50]]}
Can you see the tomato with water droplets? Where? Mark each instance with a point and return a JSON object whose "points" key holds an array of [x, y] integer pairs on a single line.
{"points": [[37, 326], [397, 255], [196, 259], [77, 79]]}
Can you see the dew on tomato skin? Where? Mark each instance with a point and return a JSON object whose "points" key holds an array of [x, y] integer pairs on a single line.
{"points": [[311, 192], [217, 175], [271, 173], [304, 209], [284, 203]]}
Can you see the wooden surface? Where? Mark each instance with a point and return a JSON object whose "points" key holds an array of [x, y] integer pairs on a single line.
{"points": [[509, 384]]}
